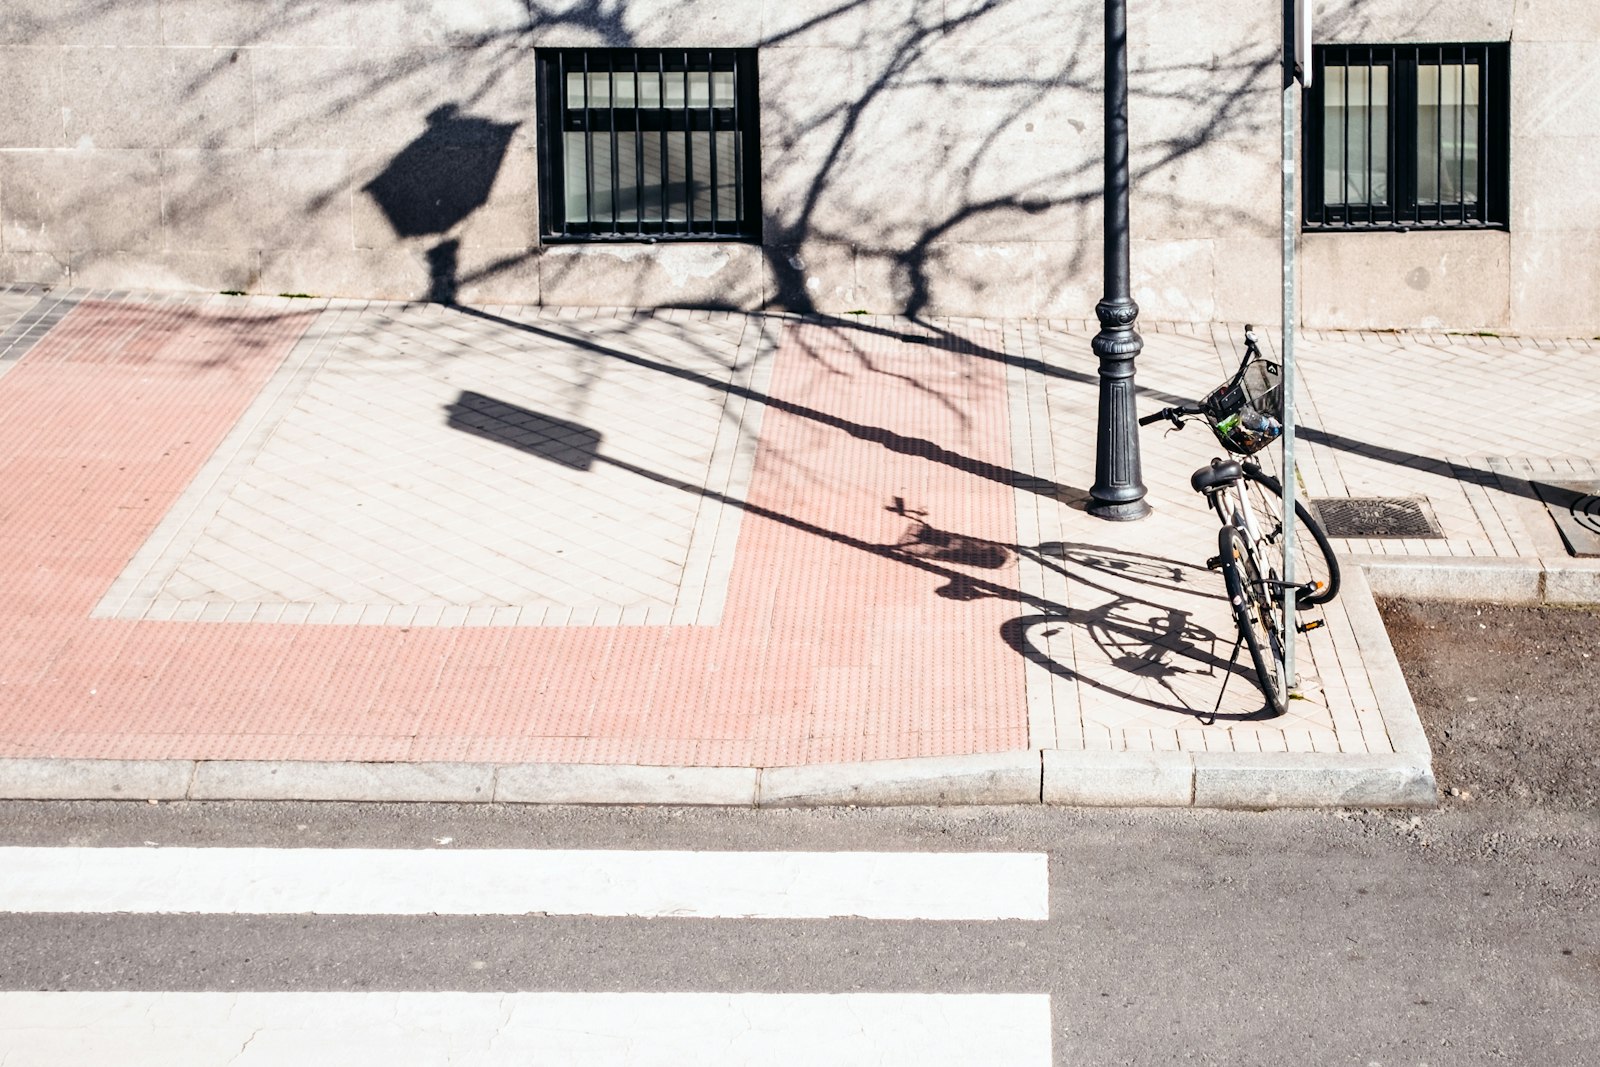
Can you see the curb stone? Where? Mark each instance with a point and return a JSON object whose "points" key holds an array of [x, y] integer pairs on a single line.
{"points": [[1509, 581], [95, 779], [587, 783], [1118, 779], [1524, 580], [1571, 585], [997, 778], [303, 780], [1389, 688], [1311, 780]]}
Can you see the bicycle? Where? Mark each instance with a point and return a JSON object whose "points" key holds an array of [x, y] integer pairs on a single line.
{"points": [[1245, 415]]}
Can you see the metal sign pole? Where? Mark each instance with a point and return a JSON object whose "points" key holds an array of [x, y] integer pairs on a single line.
{"points": [[1296, 72], [1288, 386]]}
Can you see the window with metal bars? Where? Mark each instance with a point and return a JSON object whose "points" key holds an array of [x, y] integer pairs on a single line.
{"points": [[1408, 137], [648, 144]]}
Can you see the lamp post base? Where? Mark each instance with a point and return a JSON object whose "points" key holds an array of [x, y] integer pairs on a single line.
{"points": [[1113, 511], [1118, 491]]}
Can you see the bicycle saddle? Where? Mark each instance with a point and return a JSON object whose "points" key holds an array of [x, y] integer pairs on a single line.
{"points": [[1221, 472]]}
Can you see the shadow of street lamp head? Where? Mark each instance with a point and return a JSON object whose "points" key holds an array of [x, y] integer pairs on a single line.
{"points": [[437, 181], [550, 438]]}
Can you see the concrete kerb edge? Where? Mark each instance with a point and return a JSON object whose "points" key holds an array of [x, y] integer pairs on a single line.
{"points": [[25, 778], [1263, 780], [1564, 579], [993, 778], [1552, 577], [1500, 579], [1242, 780], [347, 781], [1118, 779], [1388, 682], [610, 784]]}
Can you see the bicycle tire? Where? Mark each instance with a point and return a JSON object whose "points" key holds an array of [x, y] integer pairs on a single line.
{"points": [[1313, 550], [1254, 613]]}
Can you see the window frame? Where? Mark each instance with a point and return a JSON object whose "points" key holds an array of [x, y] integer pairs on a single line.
{"points": [[1405, 210], [556, 117]]}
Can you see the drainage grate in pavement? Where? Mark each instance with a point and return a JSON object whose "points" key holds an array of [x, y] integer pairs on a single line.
{"points": [[1575, 507], [1376, 516]]}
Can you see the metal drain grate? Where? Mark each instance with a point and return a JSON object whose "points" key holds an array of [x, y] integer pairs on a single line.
{"points": [[1575, 507], [1376, 516]]}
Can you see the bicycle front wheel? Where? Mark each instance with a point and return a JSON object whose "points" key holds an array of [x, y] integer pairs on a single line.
{"points": [[1255, 612], [1314, 559]]}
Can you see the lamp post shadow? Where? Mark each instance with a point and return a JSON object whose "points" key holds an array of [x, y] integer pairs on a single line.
{"points": [[437, 182]]}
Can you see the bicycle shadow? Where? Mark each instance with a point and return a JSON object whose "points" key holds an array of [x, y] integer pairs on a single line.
{"points": [[1164, 661], [1146, 650], [1153, 654]]}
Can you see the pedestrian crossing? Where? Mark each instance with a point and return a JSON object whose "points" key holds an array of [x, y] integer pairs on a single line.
{"points": [[183, 1026]]}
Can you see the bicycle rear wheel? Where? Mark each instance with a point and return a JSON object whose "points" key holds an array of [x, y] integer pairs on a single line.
{"points": [[1314, 558], [1255, 612]]}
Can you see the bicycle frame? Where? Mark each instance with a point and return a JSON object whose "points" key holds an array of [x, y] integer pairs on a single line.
{"points": [[1244, 518]]}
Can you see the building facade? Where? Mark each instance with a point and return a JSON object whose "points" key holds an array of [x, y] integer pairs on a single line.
{"points": [[925, 156]]}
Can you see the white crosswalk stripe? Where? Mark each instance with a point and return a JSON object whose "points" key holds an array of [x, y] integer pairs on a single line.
{"points": [[767, 885], [591, 1029], [250, 1028]]}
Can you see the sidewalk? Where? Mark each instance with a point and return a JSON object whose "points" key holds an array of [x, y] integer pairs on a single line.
{"points": [[261, 547]]}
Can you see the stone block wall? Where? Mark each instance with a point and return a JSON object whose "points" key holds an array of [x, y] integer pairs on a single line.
{"points": [[932, 156]]}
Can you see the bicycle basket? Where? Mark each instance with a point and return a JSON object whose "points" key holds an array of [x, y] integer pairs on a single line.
{"points": [[1246, 413]]}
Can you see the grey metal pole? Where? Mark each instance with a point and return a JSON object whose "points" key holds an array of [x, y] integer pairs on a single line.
{"points": [[1118, 490], [1291, 91]]}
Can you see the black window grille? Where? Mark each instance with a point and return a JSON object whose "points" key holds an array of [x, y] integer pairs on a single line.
{"points": [[648, 144], [1408, 137]]}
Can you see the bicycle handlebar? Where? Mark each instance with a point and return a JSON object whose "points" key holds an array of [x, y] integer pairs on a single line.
{"points": [[1178, 413], [1175, 415]]}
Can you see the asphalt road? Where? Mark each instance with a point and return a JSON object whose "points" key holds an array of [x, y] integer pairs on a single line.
{"points": [[1462, 936]]}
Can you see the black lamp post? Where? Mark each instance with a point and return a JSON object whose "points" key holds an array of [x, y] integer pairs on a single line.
{"points": [[1118, 491]]}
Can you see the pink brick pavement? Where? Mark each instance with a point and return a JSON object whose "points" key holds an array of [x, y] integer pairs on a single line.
{"points": [[827, 649]]}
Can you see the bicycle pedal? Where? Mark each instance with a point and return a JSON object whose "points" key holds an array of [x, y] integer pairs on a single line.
{"points": [[1213, 563], [1314, 624]]}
